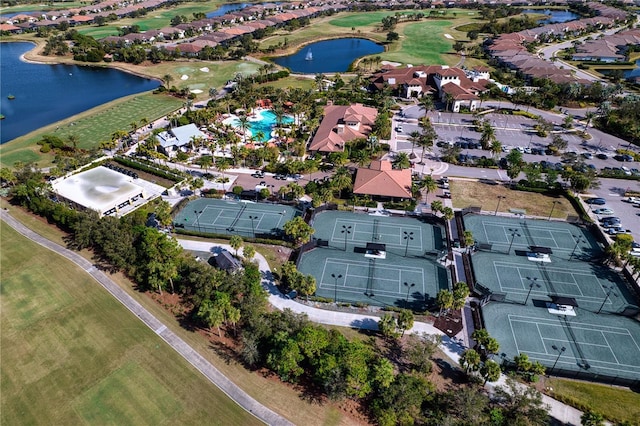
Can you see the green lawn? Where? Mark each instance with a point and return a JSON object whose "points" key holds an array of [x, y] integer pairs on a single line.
{"points": [[422, 43], [616, 404], [71, 354], [363, 19], [41, 7], [91, 127]]}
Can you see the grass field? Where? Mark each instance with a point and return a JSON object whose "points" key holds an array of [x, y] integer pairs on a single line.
{"points": [[71, 354], [282, 398], [41, 7], [421, 42], [616, 404], [468, 194], [91, 127]]}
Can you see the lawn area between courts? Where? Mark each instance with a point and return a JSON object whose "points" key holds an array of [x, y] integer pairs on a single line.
{"points": [[465, 193], [616, 404], [91, 127], [72, 354], [280, 397]]}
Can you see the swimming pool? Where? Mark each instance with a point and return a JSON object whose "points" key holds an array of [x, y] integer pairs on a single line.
{"points": [[264, 121]]}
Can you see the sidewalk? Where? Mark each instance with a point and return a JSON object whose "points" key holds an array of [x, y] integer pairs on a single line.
{"points": [[453, 348]]}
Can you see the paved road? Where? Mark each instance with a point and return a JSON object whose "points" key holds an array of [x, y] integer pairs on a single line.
{"points": [[187, 352]]}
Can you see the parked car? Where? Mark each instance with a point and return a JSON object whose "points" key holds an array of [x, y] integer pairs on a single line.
{"points": [[610, 219], [632, 200], [602, 156], [608, 225], [617, 230], [587, 155], [596, 200], [258, 174], [399, 128], [604, 211]]}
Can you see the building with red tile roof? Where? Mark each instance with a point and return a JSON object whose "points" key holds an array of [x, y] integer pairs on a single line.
{"points": [[342, 124], [381, 180]]}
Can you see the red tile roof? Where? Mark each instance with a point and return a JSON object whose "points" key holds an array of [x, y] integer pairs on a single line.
{"points": [[380, 179]]}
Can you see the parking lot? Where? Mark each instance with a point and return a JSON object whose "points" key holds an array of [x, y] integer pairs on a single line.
{"points": [[612, 191], [513, 132]]}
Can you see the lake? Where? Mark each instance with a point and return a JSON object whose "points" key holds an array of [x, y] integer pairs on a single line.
{"points": [[329, 55], [555, 15], [628, 73], [45, 94]]}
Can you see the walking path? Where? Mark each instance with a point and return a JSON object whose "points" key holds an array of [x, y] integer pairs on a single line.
{"points": [[187, 352], [452, 347]]}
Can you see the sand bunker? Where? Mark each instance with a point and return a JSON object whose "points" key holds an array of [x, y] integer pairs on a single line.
{"points": [[449, 36], [184, 77], [204, 69], [196, 91]]}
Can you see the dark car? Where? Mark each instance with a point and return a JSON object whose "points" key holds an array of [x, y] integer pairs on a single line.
{"points": [[596, 201], [602, 156]]}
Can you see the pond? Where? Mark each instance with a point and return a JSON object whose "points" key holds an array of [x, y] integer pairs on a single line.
{"points": [[45, 94], [628, 73], [328, 56], [555, 15]]}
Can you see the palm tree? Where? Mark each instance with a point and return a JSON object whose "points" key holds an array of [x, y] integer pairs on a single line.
{"points": [[488, 135], [167, 79], [426, 103], [590, 115], [401, 161], [222, 164], [428, 136], [341, 180], [496, 148], [428, 183], [414, 138], [244, 125]]}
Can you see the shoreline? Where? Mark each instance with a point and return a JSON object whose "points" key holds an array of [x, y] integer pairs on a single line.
{"points": [[33, 56]]}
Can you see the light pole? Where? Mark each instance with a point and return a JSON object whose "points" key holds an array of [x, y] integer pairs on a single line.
{"points": [[408, 236], [197, 213], [346, 230], [253, 229], [552, 208], [579, 240], [335, 286], [514, 234], [606, 297], [500, 198], [534, 283], [560, 352], [409, 287]]}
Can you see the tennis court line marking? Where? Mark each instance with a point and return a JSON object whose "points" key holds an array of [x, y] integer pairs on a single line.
{"points": [[518, 290], [538, 228], [355, 224], [400, 270], [586, 326], [602, 332], [569, 341]]}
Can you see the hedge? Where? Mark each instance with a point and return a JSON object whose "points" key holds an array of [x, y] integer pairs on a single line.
{"points": [[182, 231], [152, 168]]}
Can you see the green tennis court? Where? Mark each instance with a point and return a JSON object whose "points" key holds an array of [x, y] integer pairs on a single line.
{"points": [[584, 346], [499, 233], [399, 234], [517, 276], [249, 219]]}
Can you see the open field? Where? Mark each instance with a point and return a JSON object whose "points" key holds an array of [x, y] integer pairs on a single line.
{"points": [[471, 193], [616, 404], [91, 127], [281, 398], [72, 354]]}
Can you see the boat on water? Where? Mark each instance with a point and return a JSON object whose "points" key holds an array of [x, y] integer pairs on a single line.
{"points": [[11, 97], [309, 56]]}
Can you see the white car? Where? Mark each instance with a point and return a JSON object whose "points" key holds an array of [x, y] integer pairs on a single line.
{"points": [[632, 200], [603, 211], [399, 128]]}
